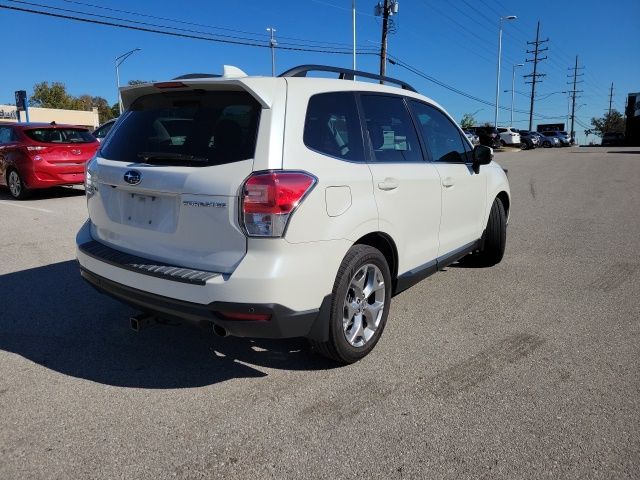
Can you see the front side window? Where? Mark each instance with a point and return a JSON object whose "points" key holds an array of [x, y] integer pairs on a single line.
{"points": [[442, 137], [102, 131], [332, 126], [194, 128], [392, 135]]}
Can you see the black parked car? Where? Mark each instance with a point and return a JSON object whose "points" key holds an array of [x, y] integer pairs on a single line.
{"points": [[489, 136], [528, 141], [613, 139]]}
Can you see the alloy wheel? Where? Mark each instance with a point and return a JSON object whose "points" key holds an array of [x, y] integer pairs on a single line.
{"points": [[15, 184], [363, 305]]}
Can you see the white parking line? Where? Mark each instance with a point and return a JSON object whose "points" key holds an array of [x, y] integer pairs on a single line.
{"points": [[14, 204]]}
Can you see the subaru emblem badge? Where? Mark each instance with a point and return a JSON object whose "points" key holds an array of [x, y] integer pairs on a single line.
{"points": [[132, 177]]}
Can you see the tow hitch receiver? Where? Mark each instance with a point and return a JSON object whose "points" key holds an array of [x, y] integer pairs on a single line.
{"points": [[142, 320]]}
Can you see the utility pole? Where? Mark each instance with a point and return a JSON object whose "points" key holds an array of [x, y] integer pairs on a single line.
{"points": [[610, 98], [573, 96], [534, 76], [385, 9], [272, 45]]}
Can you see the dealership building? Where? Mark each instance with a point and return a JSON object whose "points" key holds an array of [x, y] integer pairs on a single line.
{"points": [[89, 119]]}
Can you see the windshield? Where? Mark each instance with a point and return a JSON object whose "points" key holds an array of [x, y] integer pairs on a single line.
{"points": [[60, 135], [196, 127]]}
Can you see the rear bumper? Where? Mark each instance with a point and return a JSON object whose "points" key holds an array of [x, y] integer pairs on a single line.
{"points": [[283, 323], [288, 281], [50, 176]]}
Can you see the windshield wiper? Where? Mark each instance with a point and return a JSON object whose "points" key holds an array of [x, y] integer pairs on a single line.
{"points": [[171, 157]]}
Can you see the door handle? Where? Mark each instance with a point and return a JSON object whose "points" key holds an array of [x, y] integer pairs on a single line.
{"points": [[448, 182], [388, 184]]}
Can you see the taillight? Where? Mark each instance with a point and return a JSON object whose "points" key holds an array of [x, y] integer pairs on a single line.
{"points": [[269, 199], [37, 148]]}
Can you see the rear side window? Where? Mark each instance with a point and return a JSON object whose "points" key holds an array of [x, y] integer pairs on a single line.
{"points": [[195, 128], [60, 135], [332, 126], [442, 137], [392, 135], [5, 135]]}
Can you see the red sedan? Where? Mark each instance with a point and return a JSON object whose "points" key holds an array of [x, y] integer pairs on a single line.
{"points": [[43, 155]]}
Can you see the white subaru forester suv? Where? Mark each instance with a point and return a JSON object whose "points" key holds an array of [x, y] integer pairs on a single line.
{"points": [[285, 207]]}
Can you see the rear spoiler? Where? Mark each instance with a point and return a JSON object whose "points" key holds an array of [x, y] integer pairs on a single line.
{"points": [[263, 89]]}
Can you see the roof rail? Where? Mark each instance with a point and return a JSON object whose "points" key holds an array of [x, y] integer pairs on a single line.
{"points": [[197, 75], [345, 74]]}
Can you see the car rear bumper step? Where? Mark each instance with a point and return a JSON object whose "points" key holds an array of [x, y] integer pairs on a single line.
{"points": [[283, 322], [145, 266]]}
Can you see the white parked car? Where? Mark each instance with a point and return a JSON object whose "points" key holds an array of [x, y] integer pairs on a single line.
{"points": [[509, 136], [285, 207]]}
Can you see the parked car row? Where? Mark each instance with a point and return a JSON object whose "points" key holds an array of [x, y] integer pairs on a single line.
{"points": [[509, 136], [44, 155]]}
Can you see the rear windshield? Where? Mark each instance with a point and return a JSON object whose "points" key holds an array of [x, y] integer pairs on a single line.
{"points": [[196, 128], [60, 135]]}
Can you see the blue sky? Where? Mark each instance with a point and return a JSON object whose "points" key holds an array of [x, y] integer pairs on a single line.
{"points": [[455, 42]]}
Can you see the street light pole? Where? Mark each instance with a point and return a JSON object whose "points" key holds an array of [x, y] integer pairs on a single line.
{"points": [[119, 61], [353, 22], [272, 44], [509, 17], [513, 89]]}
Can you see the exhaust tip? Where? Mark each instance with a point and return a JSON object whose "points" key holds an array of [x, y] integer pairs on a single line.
{"points": [[220, 331]]}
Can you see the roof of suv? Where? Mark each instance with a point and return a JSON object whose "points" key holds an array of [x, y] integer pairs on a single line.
{"points": [[264, 89]]}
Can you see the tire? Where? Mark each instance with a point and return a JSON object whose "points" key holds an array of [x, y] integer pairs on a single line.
{"points": [[350, 338], [494, 237], [17, 188], [503, 143], [524, 146]]}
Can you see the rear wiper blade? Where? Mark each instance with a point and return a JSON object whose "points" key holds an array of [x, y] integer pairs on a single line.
{"points": [[168, 156]]}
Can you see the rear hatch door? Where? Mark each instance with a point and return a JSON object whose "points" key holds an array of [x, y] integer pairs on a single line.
{"points": [[66, 149], [165, 184]]}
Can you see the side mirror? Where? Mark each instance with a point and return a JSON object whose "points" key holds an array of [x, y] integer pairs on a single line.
{"points": [[482, 155]]}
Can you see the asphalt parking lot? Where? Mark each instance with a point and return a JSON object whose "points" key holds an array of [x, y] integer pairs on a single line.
{"points": [[530, 369]]}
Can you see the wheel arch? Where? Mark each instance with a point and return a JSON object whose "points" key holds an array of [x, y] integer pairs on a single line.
{"points": [[506, 202], [387, 247]]}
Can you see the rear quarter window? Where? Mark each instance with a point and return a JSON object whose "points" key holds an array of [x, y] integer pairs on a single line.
{"points": [[332, 126]]}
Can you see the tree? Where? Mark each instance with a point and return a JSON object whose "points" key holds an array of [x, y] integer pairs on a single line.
{"points": [[56, 96], [468, 120], [611, 122], [50, 96]]}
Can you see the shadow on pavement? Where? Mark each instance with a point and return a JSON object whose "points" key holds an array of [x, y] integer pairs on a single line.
{"points": [[635, 152], [50, 316], [45, 193]]}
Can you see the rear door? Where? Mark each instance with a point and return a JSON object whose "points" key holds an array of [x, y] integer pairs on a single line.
{"points": [[167, 178], [463, 190], [406, 187]]}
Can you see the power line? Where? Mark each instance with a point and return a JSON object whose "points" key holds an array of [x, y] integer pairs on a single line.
{"points": [[139, 14], [232, 41], [396, 61], [243, 42]]}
